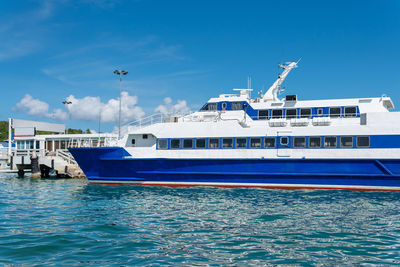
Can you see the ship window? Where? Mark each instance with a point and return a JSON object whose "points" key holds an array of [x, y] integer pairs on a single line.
{"points": [[162, 143], [334, 112], [237, 105], [241, 143], [305, 113], [175, 143], [299, 142], [314, 142], [350, 111], [346, 141], [263, 114], [213, 143], [320, 112], [277, 113], [269, 142], [145, 136], [363, 141], [330, 141], [210, 107], [187, 143], [224, 105], [255, 142], [133, 141], [200, 143], [291, 113], [227, 143], [284, 141]]}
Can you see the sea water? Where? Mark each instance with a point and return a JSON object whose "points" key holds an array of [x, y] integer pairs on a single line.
{"points": [[69, 222]]}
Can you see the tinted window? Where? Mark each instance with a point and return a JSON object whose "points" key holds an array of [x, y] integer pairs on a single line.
{"points": [[284, 140], [162, 143], [175, 143], [277, 113], [187, 143], [263, 114], [200, 143], [346, 141], [334, 112], [299, 142], [291, 113], [213, 143], [133, 141], [320, 112], [227, 143], [330, 141], [210, 107], [237, 106], [241, 142], [145, 136], [363, 141], [269, 142], [314, 142], [350, 111], [255, 142], [305, 113]]}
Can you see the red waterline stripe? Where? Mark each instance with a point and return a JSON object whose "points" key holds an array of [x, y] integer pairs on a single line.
{"points": [[251, 186]]}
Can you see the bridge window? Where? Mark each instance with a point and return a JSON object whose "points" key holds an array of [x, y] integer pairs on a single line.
{"points": [[237, 105], [255, 142], [133, 142], [187, 143], [284, 141], [299, 142], [350, 111], [320, 112], [162, 143], [145, 136], [213, 143], [363, 141], [277, 113], [263, 114], [314, 142], [175, 143], [200, 143], [227, 143], [291, 113], [305, 113], [346, 141], [241, 143], [334, 112], [210, 107], [330, 141], [269, 142]]}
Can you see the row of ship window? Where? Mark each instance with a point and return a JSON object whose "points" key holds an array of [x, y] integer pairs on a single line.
{"points": [[266, 142]]}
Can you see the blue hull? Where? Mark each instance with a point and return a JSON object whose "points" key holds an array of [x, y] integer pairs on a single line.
{"points": [[109, 165]]}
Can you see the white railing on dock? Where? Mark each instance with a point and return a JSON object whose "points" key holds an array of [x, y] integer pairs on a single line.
{"points": [[66, 156]]}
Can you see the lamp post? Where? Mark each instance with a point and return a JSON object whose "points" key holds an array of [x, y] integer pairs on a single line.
{"points": [[120, 73], [66, 103]]}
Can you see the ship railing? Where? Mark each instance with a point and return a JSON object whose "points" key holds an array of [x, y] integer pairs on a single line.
{"points": [[160, 118]]}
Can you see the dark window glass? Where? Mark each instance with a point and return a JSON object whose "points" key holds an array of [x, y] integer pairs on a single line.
{"points": [[330, 141], [277, 113], [350, 111], [227, 143], [213, 143], [284, 141], [334, 112], [175, 143], [237, 105], [133, 141], [346, 141], [255, 142], [299, 142], [210, 107], [269, 142], [200, 143], [263, 114], [320, 112], [363, 141], [162, 143], [62, 145], [305, 113], [291, 113], [187, 143], [241, 143], [314, 142], [145, 136]]}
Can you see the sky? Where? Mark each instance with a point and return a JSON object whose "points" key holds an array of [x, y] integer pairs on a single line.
{"points": [[178, 54]]}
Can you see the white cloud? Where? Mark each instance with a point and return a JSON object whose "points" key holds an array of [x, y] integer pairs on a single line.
{"points": [[169, 108], [38, 108]]}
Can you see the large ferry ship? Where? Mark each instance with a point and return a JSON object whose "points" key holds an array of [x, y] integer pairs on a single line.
{"points": [[267, 142]]}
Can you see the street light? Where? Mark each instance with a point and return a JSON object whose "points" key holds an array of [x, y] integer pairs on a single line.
{"points": [[120, 72], [66, 103]]}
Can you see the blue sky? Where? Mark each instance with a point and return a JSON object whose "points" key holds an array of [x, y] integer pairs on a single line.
{"points": [[188, 51]]}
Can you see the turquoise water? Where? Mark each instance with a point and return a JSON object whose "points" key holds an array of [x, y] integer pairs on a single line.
{"points": [[67, 222]]}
